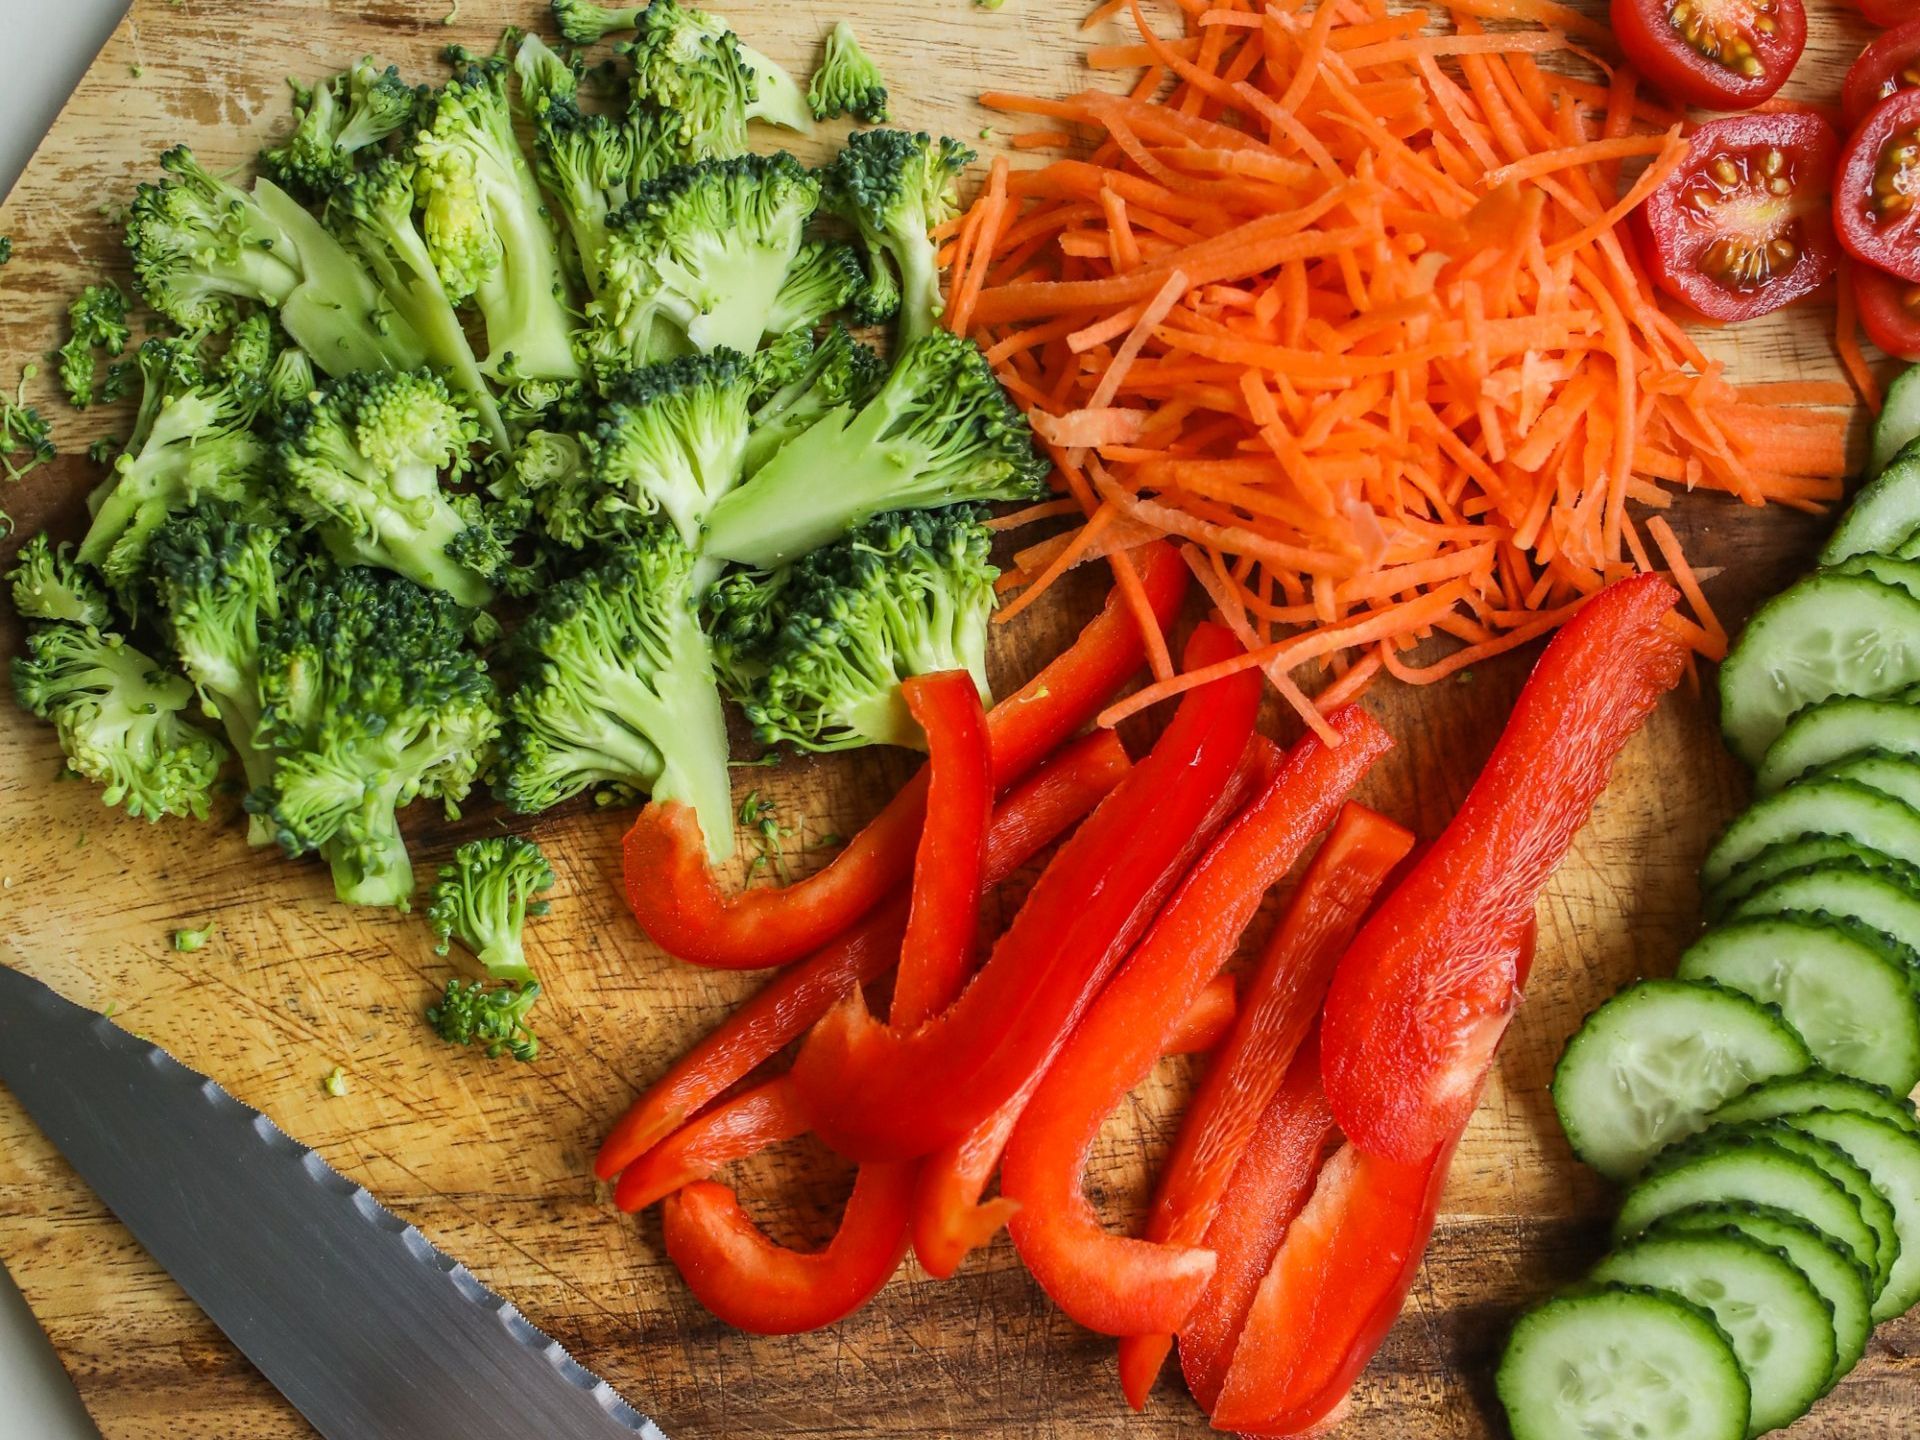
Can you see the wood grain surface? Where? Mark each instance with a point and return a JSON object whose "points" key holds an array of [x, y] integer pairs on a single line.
{"points": [[491, 1160]]}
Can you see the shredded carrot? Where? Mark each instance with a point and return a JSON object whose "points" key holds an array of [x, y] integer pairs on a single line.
{"points": [[1339, 297], [1847, 336]]}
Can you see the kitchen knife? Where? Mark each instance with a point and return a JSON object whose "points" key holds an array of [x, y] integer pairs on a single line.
{"points": [[371, 1332]]}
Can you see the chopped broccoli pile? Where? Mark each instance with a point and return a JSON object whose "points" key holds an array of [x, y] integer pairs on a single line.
{"points": [[471, 1014], [334, 122], [894, 188], [847, 82], [98, 320], [483, 899]]}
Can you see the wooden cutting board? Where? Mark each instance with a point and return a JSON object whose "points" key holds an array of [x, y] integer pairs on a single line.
{"points": [[491, 1159]]}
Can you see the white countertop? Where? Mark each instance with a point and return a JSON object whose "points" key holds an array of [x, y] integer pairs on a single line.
{"points": [[50, 43]]}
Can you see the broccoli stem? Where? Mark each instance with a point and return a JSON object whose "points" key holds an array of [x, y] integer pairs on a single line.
{"points": [[375, 869]]}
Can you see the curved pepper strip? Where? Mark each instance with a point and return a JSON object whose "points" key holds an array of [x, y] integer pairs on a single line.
{"points": [[1282, 1003], [750, 1122], [680, 905], [875, 1092], [726, 1260], [1340, 1278], [1043, 808], [1418, 1004], [1209, 1020], [1117, 1284]]}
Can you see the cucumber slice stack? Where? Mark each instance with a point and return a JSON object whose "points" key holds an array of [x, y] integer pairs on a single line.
{"points": [[1757, 1107]]}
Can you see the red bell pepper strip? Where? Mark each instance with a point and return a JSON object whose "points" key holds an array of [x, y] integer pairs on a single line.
{"points": [[680, 905], [877, 1092], [750, 1122], [1340, 1277], [1282, 1002], [728, 1263], [1422, 998], [1289, 1143], [950, 1220], [1117, 1284], [1209, 1020], [1033, 816]]}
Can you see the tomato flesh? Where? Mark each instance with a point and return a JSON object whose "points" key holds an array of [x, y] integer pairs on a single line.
{"points": [[1885, 68], [1885, 12], [1874, 199], [1722, 54], [1741, 228], [1889, 311]]}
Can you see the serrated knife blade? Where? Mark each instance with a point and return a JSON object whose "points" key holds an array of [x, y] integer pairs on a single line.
{"points": [[364, 1326]]}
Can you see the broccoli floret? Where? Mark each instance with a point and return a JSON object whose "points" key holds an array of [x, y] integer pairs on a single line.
{"points": [[121, 720], [291, 380], [894, 188], [908, 593], [940, 431], [553, 470], [471, 1014], [24, 433], [847, 81], [98, 321], [744, 612], [483, 898], [487, 546], [370, 699], [200, 244], [669, 443], [192, 440], [827, 276], [334, 121], [699, 258], [541, 404], [48, 585], [618, 689], [486, 226], [544, 76], [218, 577], [685, 60], [840, 370], [363, 462], [581, 22]]}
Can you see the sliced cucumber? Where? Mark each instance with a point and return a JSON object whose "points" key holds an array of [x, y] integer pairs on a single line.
{"points": [[1622, 1364], [1745, 1168], [1837, 892], [1887, 569], [1827, 807], [1897, 775], [1790, 856], [1648, 1067], [1835, 730], [1827, 635], [1884, 512], [1845, 1285], [1780, 1325], [1852, 1002], [1817, 1089], [1899, 422], [1891, 1157]]}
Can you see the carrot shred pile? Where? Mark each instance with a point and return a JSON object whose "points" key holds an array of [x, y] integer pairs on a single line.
{"points": [[1337, 297]]}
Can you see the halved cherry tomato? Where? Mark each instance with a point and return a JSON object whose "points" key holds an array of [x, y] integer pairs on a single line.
{"points": [[1742, 227], [1879, 183], [1886, 67], [1884, 12], [1889, 311], [1722, 54]]}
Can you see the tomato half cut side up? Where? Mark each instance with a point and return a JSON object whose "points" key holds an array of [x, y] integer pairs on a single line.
{"points": [[1885, 68], [1720, 54], [1742, 227], [1889, 311], [1879, 181]]}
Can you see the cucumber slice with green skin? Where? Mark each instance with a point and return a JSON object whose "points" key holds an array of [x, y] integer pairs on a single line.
{"points": [[1847, 1287], [1742, 1167], [1838, 730], [1874, 1207], [1887, 569], [1862, 898], [1652, 1063], [1890, 774], [1622, 1363], [1817, 1089], [1884, 512], [1791, 856], [1826, 807], [1891, 1158], [1899, 422], [1827, 635], [1780, 1325], [1851, 1001]]}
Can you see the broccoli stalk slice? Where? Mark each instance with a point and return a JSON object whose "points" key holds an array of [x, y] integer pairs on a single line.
{"points": [[483, 899], [940, 431], [847, 81]]}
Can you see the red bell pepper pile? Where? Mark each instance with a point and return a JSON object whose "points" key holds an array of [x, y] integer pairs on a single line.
{"points": [[1290, 1217]]}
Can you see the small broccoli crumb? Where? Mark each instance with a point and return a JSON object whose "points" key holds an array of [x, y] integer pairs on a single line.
{"points": [[986, 132], [989, 4], [6, 248], [136, 70], [103, 450], [188, 940], [98, 322], [451, 15], [334, 1082], [767, 836]]}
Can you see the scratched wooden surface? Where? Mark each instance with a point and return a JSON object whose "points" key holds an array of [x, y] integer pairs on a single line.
{"points": [[491, 1160]]}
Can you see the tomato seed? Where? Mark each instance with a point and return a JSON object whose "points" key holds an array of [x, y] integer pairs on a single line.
{"points": [[1894, 177]]}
